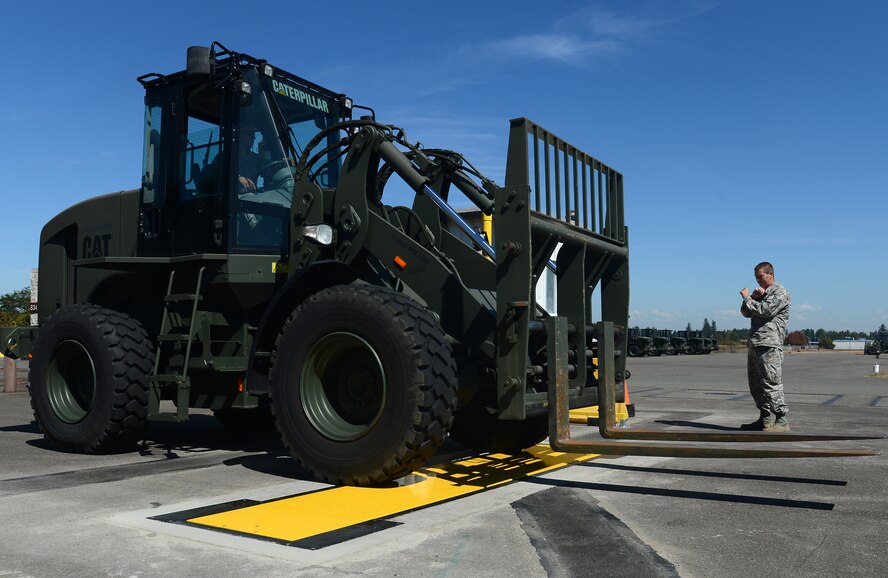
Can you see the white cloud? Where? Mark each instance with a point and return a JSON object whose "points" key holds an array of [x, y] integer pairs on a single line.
{"points": [[656, 317], [806, 307], [592, 32], [559, 47]]}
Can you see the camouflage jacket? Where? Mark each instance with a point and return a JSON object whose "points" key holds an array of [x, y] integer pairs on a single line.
{"points": [[769, 315]]}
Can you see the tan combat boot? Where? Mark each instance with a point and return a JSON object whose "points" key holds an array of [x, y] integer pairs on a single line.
{"points": [[765, 420], [781, 424]]}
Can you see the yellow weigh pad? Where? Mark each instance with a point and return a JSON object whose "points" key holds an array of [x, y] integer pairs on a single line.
{"points": [[306, 515], [589, 415]]}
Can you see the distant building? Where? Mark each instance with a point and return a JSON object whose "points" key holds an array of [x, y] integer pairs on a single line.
{"points": [[850, 344]]}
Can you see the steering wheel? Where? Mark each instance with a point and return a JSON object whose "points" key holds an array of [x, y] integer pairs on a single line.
{"points": [[276, 165]]}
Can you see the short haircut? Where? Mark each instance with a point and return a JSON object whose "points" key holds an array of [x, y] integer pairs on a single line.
{"points": [[766, 267]]}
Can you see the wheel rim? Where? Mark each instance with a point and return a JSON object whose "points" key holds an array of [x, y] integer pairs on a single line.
{"points": [[342, 386], [71, 382]]}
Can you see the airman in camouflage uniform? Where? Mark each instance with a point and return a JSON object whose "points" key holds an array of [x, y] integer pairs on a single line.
{"points": [[768, 309]]}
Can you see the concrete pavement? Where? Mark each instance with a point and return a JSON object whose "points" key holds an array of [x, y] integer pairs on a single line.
{"points": [[76, 515]]}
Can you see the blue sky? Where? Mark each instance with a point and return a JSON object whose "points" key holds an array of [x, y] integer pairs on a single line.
{"points": [[746, 131]]}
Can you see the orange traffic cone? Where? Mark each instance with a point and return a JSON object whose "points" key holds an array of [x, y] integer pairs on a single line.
{"points": [[630, 407]]}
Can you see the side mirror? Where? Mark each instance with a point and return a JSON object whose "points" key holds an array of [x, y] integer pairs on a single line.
{"points": [[200, 61]]}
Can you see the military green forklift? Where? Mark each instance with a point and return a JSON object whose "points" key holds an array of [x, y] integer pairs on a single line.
{"points": [[260, 269]]}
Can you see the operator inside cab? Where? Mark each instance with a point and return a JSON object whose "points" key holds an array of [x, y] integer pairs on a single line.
{"points": [[218, 173]]}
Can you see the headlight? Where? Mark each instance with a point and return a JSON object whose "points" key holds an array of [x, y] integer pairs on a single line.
{"points": [[322, 233]]}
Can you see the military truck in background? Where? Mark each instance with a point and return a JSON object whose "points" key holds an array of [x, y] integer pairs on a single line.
{"points": [[679, 342], [691, 344], [694, 342], [639, 344], [660, 342], [663, 342], [650, 334], [878, 346]]}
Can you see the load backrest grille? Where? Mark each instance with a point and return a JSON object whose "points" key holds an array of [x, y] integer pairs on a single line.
{"points": [[567, 184]]}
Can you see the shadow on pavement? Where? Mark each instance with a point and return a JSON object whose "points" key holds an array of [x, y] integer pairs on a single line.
{"points": [[729, 475], [281, 465], [200, 434], [697, 424], [685, 494], [22, 428]]}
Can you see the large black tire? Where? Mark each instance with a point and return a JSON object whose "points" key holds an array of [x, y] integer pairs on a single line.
{"points": [[363, 385], [635, 351], [89, 379], [483, 432]]}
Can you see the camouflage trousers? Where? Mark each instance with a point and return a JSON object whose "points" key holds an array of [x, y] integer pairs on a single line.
{"points": [[764, 366]]}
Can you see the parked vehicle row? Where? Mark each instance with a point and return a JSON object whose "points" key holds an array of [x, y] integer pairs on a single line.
{"points": [[654, 342]]}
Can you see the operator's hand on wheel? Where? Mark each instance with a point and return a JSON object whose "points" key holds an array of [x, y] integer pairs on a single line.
{"points": [[744, 293], [248, 185]]}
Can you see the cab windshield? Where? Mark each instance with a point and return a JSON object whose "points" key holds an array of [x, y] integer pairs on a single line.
{"points": [[265, 158], [307, 113]]}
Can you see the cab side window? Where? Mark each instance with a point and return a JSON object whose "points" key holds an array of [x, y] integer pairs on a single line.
{"points": [[152, 189], [202, 159]]}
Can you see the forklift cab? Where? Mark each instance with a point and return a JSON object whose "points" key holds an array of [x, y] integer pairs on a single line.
{"points": [[221, 142]]}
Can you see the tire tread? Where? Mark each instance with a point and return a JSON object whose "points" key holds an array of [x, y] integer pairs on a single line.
{"points": [[132, 358], [436, 372]]}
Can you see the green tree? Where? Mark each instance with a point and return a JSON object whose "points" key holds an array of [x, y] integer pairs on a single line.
{"points": [[714, 329], [14, 308], [728, 338], [688, 328], [707, 328], [827, 343]]}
